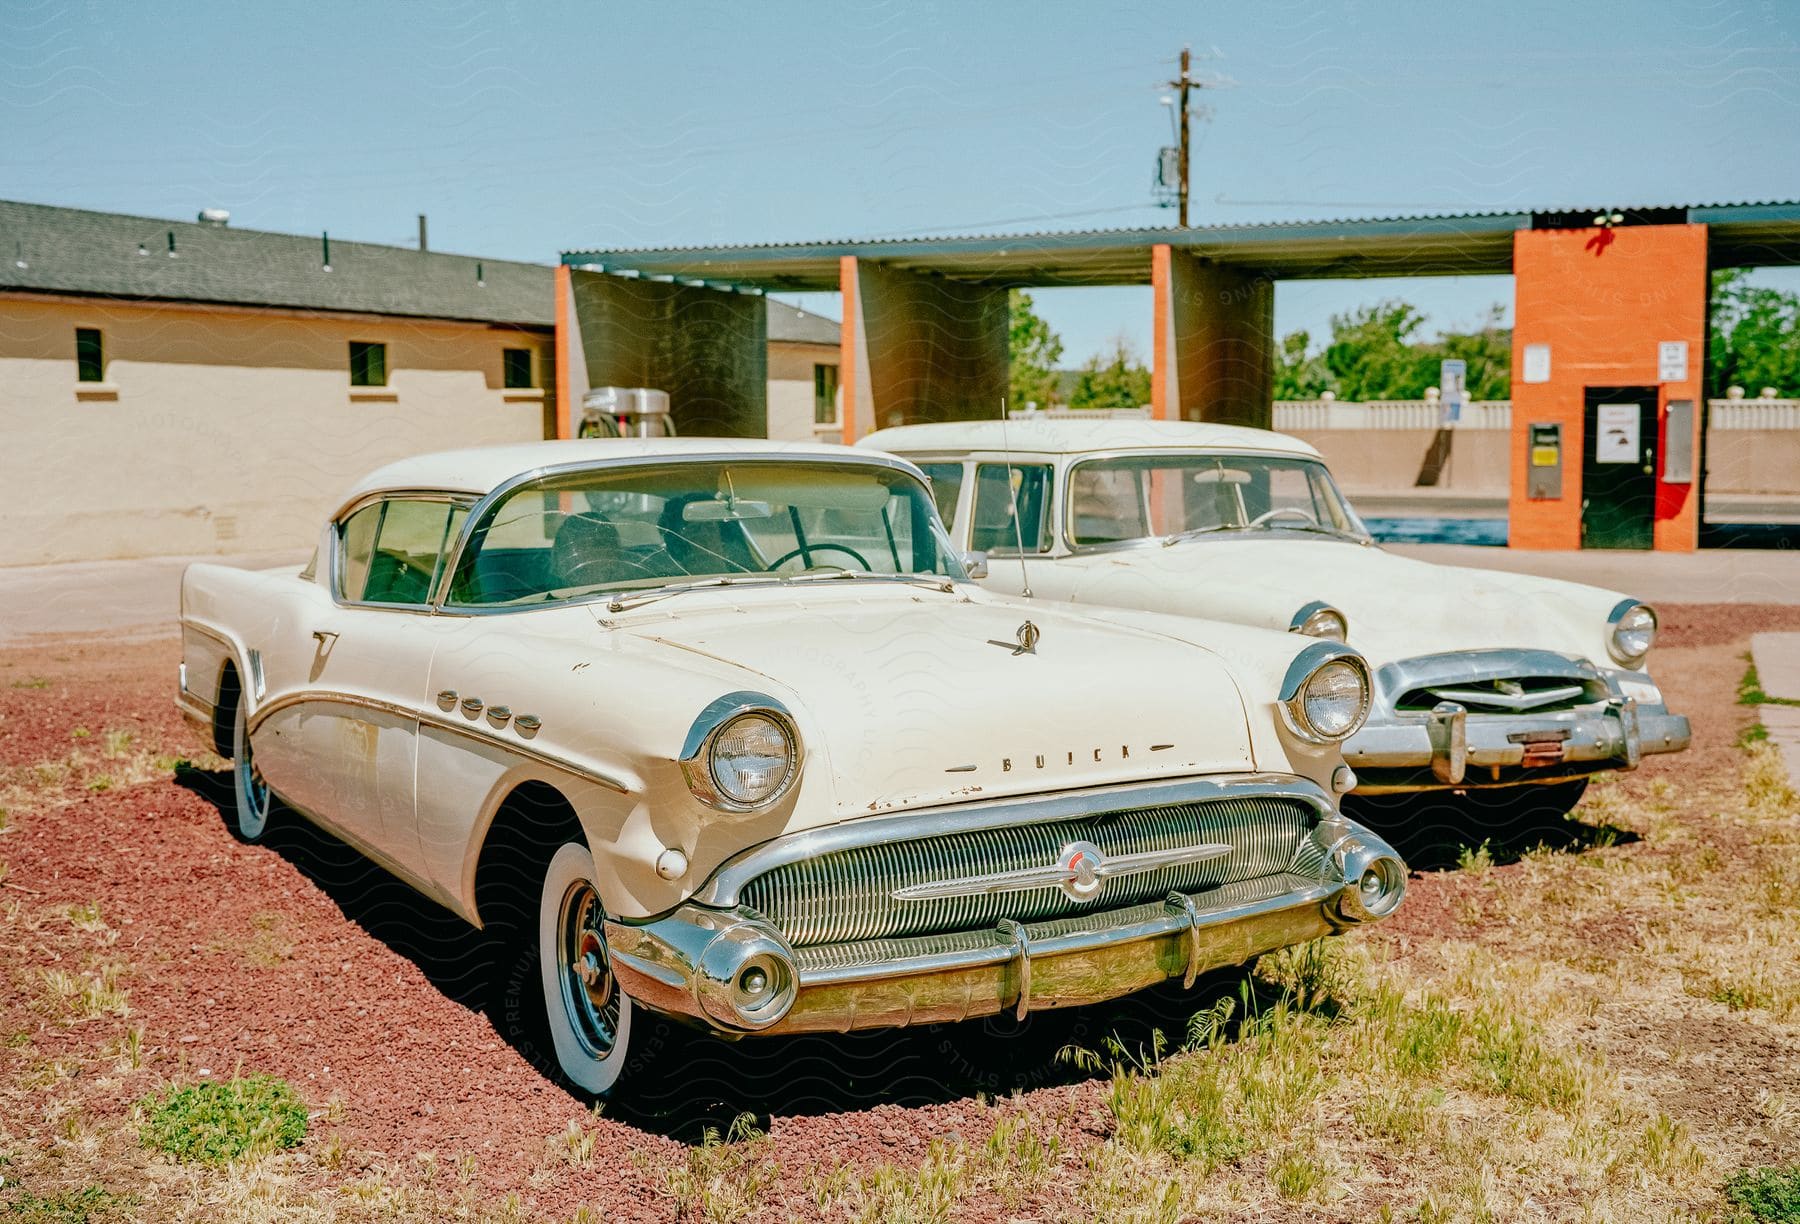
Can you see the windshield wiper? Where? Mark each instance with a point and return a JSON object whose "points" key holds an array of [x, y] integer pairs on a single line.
{"points": [[637, 599], [840, 573], [1191, 532]]}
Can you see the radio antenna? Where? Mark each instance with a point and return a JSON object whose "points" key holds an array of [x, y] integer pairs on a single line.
{"points": [[1013, 492]]}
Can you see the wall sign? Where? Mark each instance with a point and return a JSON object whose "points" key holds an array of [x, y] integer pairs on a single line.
{"points": [[1537, 363], [1616, 433], [1671, 361]]}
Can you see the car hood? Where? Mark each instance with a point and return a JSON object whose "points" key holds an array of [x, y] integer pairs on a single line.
{"points": [[1398, 607], [908, 697]]}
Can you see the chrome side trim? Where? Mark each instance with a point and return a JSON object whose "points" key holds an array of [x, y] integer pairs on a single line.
{"points": [[466, 730], [729, 880]]}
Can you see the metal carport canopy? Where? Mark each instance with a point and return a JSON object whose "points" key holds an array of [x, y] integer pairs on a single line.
{"points": [[1392, 246], [1469, 244]]}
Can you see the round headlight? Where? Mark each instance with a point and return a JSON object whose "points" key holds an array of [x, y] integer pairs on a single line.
{"points": [[1332, 703], [1326, 623], [1633, 633], [752, 759]]}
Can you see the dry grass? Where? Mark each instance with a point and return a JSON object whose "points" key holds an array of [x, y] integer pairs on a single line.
{"points": [[1593, 1043]]}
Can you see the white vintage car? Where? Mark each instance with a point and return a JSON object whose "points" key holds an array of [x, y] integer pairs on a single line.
{"points": [[721, 729], [1519, 686]]}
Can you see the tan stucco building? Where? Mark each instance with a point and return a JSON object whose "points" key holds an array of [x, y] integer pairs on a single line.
{"points": [[179, 387]]}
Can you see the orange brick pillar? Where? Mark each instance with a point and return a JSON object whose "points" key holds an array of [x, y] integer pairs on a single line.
{"points": [[1595, 305]]}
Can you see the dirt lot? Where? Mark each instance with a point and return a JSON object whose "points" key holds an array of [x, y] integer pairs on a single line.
{"points": [[1608, 1030]]}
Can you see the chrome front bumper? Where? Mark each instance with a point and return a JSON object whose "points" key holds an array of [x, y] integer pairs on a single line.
{"points": [[685, 963], [1450, 747]]}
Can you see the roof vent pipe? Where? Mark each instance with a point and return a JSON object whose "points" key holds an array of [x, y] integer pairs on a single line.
{"points": [[423, 244]]}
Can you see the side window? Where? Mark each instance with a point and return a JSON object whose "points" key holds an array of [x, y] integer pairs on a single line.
{"points": [[946, 487], [998, 490], [394, 551]]}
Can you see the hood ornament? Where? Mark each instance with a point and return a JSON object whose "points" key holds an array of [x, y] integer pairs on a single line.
{"points": [[1026, 643]]}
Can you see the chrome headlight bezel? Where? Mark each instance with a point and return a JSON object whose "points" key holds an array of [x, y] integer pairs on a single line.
{"points": [[1320, 620], [697, 753], [1313, 664], [1616, 626]]}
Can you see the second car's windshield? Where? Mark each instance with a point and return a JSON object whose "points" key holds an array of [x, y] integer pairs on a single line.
{"points": [[1138, 497], [640, 527]]}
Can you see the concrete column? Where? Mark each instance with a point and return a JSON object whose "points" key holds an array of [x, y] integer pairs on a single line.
{"points": [[708, 348], [919, 348], [1213, 347]]}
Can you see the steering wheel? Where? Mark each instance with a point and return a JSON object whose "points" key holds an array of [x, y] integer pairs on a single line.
{"points": [[809, 549], [1278, 511]]}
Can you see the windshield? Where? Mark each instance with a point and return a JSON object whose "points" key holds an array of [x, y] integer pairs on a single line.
{"points": [[640, 527], [1160, 496]]}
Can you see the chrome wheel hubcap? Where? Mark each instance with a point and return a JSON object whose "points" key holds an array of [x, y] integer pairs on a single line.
{"points": [[589, 995]]}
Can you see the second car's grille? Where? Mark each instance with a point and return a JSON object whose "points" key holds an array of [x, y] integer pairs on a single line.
{"points": [[848, 894], [1506, 695]]}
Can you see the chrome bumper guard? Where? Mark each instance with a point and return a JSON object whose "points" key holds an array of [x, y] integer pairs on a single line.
{"points": [[694, 962], [1453, 743]]}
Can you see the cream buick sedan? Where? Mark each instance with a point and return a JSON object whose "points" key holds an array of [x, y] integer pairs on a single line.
{"points": [[720, 729], [1519, 687]]}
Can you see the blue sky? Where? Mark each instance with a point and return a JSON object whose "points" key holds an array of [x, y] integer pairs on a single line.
{"points": [[526, 128]]}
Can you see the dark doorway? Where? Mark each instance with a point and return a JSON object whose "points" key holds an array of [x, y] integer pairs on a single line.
{"points": [[1618, 468]]}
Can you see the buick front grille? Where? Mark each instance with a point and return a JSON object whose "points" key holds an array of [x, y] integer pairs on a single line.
{"points": [[847, 895]]}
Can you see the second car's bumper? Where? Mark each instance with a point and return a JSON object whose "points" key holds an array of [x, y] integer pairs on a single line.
{"points": [[1451, 747], [686, 963]]}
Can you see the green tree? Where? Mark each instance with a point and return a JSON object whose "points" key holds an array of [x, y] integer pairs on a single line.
{"points": [[1300, 374], [1488, 352], [1033, 349], [1115, 380], [1373, 354], [1755, 337], [1376, 354]]}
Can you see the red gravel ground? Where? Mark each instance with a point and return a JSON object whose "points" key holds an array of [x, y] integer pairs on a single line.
{"points": [[297, 959]]}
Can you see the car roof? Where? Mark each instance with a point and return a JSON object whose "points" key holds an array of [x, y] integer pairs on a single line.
{"points": [[479, 470], [1068, 436]]}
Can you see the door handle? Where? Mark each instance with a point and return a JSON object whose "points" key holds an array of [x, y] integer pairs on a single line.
{"points": [[325, 638]]}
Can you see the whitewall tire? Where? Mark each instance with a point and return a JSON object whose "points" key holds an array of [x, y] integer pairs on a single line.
{"points": [[253, 802], [589, 1016]]}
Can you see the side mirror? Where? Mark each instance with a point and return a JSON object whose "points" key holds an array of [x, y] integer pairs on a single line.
{"points": [[976, 564]]}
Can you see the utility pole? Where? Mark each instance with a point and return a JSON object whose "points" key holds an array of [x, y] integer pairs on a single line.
{"points": [[1181, 85]]}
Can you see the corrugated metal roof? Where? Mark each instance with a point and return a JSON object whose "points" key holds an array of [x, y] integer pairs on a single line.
{"points": [[1473, 243], [71, 250]]}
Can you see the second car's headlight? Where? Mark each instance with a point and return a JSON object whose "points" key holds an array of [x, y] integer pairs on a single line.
{"points": [[1331, 702], [751, 759], [1633, 633], [1322, 621]]}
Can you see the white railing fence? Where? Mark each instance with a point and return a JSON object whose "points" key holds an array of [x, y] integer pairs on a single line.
{"points": [[1307, 415], [1388, 414], [1748, 414]]}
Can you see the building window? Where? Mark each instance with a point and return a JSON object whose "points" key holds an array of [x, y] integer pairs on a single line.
{"points": [[825, 388], [368, 364], [515, 368], [90, 355]]}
